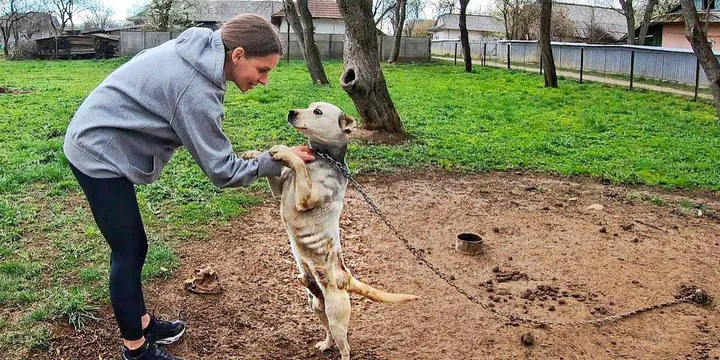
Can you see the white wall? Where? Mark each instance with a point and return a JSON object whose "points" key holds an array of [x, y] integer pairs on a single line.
{"points": [[322, 26], [455, 35]]}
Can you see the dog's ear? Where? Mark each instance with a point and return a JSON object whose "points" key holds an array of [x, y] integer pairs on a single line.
{"points": [[347, 123]]}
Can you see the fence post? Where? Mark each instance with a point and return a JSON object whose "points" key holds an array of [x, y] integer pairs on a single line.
{"points": [[429, 49], [485, 54], [381, 48], [582, 57], [697, 78], [508, 55], [541, 63], [455, 53], [330, 54], [632, 67], [144, 40], [288, 43]]}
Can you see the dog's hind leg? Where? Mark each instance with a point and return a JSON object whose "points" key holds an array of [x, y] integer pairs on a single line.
{"points": [[318, 306], [315, 300], [337, 309]]}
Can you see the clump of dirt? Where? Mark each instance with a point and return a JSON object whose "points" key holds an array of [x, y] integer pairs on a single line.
{"points": [[506, 276], [4, 90]]}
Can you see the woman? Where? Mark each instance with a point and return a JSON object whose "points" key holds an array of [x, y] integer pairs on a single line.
{"points": [[127, 130]]}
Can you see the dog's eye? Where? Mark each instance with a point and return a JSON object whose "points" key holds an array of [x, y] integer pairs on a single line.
{"points": [[317, 112]]}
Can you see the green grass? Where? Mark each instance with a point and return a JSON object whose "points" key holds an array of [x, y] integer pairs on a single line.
{"points": [[54, 261]]}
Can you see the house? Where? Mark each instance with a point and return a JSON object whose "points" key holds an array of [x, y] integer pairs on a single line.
{"points": [[447, 27], [593, 24], [326, 15], [31, 26], [668, 30], [215, 12]]}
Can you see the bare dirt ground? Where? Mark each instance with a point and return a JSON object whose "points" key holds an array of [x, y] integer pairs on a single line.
{"points": [[534, 225]]}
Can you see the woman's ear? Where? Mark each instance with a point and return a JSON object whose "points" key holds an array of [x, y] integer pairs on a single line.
{"points": [[237, 55]]}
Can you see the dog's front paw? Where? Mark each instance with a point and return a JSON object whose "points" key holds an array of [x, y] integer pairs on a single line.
{"points": [[250, 154], [278, 151], [325, 344]]}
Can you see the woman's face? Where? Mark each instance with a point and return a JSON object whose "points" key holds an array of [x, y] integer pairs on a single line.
{"points": [[246, 72]]}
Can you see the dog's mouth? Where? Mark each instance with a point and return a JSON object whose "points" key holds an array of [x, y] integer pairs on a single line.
{"points": [[292, 117]]}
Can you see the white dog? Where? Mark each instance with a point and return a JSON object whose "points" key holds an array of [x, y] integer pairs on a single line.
{"points": [[311, 202]]}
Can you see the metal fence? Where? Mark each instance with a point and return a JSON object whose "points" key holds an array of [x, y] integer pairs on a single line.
{"points": [[329, 45], [663, 68]]}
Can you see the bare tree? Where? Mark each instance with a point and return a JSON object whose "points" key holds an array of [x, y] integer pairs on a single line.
{"points": [[165, 15], [381, 10], [464, 38], [700, 45], [65, 11], [545, 48], [629, 12], [362, 78], [98, 17], [310, 50], [12, 14], [648, 14], [400, 21], [413, 23], [446, 7]]}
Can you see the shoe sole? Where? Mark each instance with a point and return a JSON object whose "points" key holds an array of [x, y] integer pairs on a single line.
{"points": [[170, 340]]}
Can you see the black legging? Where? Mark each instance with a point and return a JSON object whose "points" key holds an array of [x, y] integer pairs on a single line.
{"points": [[114, 206]]}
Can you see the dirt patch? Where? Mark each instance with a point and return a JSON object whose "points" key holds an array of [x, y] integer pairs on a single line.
{"points": [[4, 90], [544, 257], [378, 137]]}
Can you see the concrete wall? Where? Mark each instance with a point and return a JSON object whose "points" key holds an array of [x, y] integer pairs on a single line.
{"points": [[322, 26], [330, 45], [132, 42]]}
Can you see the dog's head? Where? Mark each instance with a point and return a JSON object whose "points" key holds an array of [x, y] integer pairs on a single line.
{"points": [[322, 122]]}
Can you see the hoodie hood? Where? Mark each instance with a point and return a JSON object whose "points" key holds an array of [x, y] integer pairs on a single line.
{"points": [[204, 50]]}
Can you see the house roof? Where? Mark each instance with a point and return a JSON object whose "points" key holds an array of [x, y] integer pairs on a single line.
{"points": [[224, 10], [319, 9], [474, 23], [584, 16]]}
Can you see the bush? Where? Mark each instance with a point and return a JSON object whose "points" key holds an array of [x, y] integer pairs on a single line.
{"points": [[23, 50]]}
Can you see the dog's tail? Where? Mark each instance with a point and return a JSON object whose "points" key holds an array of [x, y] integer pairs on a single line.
{"points": [[356, 286]]}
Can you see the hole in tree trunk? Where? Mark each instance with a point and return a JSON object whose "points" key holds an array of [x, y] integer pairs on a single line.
{"points": [[349, 76]]}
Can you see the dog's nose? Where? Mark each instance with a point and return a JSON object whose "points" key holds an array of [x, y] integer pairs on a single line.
{"points": [[291, 116]]}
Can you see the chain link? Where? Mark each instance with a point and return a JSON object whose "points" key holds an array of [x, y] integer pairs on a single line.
{"points": [[698, 296]]}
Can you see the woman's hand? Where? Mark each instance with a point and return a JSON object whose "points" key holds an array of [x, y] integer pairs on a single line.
{"points": [[303, 152]]}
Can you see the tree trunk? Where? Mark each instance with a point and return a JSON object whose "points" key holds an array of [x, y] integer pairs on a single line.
{"points": [[6, 38], [400, 10], [646, 21], [548, 62], [698, 40], [464, 39], [293, 20], [312, 54], [362, 77], [629, 13]]}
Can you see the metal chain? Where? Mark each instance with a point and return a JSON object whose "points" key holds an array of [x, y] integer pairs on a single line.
{"points": [[698, 296]]}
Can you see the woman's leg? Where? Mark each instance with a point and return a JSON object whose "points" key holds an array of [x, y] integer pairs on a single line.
{"points": [[114, 206]]}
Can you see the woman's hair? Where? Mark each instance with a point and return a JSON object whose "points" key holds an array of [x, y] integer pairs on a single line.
{"points": [[253, 33]]}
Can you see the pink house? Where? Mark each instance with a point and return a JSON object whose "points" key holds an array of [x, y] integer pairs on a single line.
{"points": [[669, 30]]}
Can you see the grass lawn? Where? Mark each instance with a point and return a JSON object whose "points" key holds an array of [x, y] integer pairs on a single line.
{"points": [[53, 260]]}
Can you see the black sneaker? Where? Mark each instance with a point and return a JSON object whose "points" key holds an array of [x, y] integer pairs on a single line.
{"points": [[149, 351], [163, 332]]}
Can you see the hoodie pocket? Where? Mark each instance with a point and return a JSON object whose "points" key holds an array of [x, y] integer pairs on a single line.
{"points": [[145, 176]]}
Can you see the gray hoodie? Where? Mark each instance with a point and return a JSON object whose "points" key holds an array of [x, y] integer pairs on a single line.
{"points": [[163, 98]]}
